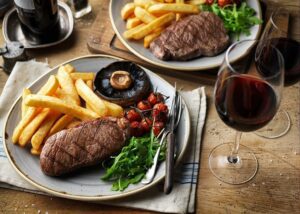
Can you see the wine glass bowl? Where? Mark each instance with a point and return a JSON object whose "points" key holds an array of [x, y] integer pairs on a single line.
{"points": [[246, 99]]}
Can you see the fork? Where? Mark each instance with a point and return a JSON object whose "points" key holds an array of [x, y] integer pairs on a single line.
{"points": [[151, 172]]}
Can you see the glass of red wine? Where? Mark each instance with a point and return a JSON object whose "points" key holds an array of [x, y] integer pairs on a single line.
{"points": [[283, 32], [245, 100]]}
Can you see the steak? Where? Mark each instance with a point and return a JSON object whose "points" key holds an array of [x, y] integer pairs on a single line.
{"points": [[84, 145], [203, 34]]}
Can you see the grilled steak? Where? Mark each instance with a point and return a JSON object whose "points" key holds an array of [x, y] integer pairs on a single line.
{"points": [[196, 35], [85, 145]]}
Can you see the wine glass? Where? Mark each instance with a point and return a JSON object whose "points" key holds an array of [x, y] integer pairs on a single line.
{"points": [[283, 32], [245, 100]]}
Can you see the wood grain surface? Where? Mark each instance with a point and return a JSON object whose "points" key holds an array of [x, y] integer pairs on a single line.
{"points": [[275, 188]]}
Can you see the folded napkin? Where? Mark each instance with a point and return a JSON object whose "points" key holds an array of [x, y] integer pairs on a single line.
{"points": [[180, 200]]}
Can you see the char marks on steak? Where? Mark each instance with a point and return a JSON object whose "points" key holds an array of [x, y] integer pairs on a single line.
{"points": [[84, 145], [203, 34]]}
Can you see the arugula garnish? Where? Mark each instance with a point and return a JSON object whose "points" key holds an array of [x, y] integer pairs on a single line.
{"points": [[237, 20], [131, 165]]}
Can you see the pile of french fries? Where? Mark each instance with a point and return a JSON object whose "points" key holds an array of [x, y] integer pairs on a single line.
{"points": [[146, 19], [65, 100]]}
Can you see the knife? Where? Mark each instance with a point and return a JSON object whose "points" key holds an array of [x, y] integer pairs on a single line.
{"points": [[168, 185]]}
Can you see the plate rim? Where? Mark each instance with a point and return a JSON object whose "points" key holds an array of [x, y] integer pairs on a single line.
{"points": [[82, 197], [61, 4], [163, 65]]}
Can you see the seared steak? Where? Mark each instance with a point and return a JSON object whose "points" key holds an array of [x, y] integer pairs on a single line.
{"points": [[196, 35], [85, 145]]}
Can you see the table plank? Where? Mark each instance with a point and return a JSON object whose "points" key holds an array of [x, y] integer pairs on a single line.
{"points": [[275, 189]]}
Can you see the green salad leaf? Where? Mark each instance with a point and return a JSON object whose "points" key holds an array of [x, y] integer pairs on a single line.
{"points": [[237, 20], [131, 165]]}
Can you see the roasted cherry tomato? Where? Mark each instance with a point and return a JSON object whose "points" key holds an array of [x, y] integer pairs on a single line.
{"points": [[157, 127], [146, 124], [155, 98], [136, 129], [133, 115], [144, 105], [160, 112], [223, 3], [210, 2]]}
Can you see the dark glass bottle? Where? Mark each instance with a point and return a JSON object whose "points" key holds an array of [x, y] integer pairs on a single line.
{"points": [[39, 20]]}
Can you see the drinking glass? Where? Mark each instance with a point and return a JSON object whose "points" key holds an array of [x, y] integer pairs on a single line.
{"points": [[245, 100], [283, 32]]}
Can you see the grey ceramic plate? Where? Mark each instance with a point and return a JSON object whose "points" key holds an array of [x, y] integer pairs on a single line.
{"points": [[86, 184], [202, 63], [12, 29]]}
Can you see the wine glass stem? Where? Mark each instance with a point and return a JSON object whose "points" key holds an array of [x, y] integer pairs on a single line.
{"points": [[233, 157]]}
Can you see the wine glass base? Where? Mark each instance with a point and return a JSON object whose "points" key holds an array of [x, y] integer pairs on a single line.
{"points": [[277, 127], [239, 172]]}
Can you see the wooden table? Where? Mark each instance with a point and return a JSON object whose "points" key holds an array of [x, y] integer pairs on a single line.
{"points": [[275, 188]]}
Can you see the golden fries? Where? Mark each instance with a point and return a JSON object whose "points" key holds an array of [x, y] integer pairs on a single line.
{"points": [[30, 129], [143, 15], [114, 110], [159, 22], [127, 10], [26, 91], [133, 22], [73, 124], [128, 34], [39, 136], [67, 85], [149, 38], [69, 68], [179, 15], [48, 89], [36, 151], [61, 106], [83, 76], [142, 3], [60, 124], [177, 8], [91, 98]]}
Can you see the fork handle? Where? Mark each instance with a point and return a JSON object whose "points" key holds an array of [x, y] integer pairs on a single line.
{"points": [[169, 164]]}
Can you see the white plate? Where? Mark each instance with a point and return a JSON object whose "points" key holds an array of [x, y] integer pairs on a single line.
{"points": [[201, 63], [84, 185]]}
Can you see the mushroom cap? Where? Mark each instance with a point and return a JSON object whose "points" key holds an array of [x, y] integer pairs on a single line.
{"points": [[139, 89]]}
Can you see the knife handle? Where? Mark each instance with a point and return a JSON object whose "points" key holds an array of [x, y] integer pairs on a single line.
{"points": [[169, 164]]}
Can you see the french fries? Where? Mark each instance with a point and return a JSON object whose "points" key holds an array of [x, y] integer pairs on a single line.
{"points": [[159, 22], [48, 89], [149, 38], [149, 15], [73, 124], [30, 129], [39, 136], [60, 124], [83, 76], [57, 106], [68, 68], [132, 22], [114, 110], [61, 106], [129, 33], [26, 91], [127, 10], [144, 15], [91, 98], [178, 8], [67, 85]]}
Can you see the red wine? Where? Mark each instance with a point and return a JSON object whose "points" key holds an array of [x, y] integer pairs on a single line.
{"points": [[290, 50], [245, 103]]}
